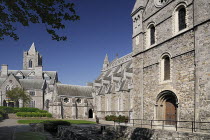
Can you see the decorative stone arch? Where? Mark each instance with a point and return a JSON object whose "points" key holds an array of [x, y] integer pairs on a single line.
{"points": [[175, 16], [31, 75], [166, 107], [19, 74], [160, 3]]}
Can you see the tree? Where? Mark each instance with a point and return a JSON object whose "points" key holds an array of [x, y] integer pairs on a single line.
{"points": [[17, 94], [52, 13]]}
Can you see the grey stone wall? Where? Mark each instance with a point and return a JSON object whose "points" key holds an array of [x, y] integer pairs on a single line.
{"points": [[203, 72], [189, 52], [111, 101]]}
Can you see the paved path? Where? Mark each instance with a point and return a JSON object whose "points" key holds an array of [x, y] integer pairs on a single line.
{"points": [[10, 126]]}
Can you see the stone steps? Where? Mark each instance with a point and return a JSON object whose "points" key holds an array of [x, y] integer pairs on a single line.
{"points": [[12, 116]]}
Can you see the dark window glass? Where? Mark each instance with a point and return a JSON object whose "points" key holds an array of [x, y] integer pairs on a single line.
{"points": [[152, 35], [30, 64], [32, 93], [182, 19], [166, 68]]}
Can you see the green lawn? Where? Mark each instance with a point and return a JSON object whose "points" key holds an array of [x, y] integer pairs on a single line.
{"points": [[71, 121], [29, 136]]}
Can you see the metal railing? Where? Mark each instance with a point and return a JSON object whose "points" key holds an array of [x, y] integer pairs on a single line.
{"points": [[168, 124]]}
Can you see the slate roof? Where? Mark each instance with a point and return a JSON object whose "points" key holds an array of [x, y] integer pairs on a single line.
{"points": [[52, 74], [2, 80], [73, 90], [32, 83]]}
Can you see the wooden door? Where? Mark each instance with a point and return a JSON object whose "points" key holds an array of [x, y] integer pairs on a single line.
{"points": [[170, 113]]}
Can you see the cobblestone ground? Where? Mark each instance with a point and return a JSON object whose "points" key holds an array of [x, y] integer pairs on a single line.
{"points": [[9, 127]]}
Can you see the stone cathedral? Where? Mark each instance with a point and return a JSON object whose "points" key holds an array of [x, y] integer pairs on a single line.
{"points": [[63, 101], [165, 77]]}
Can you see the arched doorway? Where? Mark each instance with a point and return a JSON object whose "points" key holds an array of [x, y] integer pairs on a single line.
{"points": [[17, 104], [4, 103], [90, 113], [11, 104], [166, 107]]}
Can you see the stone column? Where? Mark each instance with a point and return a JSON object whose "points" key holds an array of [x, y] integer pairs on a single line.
{"points": [[20, 103]]}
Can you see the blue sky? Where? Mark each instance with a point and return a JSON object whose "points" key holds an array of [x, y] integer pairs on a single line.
{"points": [[105, 27]]}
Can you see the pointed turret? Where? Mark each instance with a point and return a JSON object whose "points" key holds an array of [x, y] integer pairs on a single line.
{"points": [[139, 4], [32, 49], [106, 62]]}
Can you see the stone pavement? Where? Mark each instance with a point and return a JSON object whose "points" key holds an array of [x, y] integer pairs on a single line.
{"points": [[9, 127]]}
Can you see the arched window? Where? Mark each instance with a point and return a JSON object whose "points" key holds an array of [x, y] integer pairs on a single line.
{"points": [[30, 64], [167, 67], [119, 100], [182, 18], [152, 34]]}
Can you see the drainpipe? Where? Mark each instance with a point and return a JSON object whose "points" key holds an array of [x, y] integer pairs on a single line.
{"points": [[195, 84], [61, 109], [1, 99]]}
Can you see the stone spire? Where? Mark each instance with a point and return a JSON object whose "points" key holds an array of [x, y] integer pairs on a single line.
{"points": [[106, 62], [32, 49]]}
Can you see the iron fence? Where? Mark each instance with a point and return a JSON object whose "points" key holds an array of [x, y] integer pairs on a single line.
{"points": [[168, 124]]}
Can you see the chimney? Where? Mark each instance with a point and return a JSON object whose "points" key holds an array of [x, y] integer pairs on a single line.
{"points": [[38, 72], [4, 70]]}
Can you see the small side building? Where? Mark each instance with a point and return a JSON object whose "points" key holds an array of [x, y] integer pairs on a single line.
{"points": [[71, 101]]}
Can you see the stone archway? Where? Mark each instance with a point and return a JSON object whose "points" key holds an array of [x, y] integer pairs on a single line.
{"points": [[90, 113], [166, 107]]}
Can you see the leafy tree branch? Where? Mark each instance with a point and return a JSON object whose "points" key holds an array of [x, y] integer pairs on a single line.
{"points": [[52, 13]]}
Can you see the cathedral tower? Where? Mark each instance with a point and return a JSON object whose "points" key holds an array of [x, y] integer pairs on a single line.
{"points": [[31, 58]]}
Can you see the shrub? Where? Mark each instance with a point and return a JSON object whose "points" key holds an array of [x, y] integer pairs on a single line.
{"points": [[8, 109], [33, 114], [110, 118], [52, 126], [41, 111], [22, 109], [28, 109], [116, 118]]}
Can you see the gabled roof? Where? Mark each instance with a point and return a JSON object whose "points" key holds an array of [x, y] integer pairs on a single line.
{"points": [[2, 80], [73, 90]]}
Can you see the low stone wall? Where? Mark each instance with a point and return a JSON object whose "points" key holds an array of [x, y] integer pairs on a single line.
{"points": [[124, 133]]}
